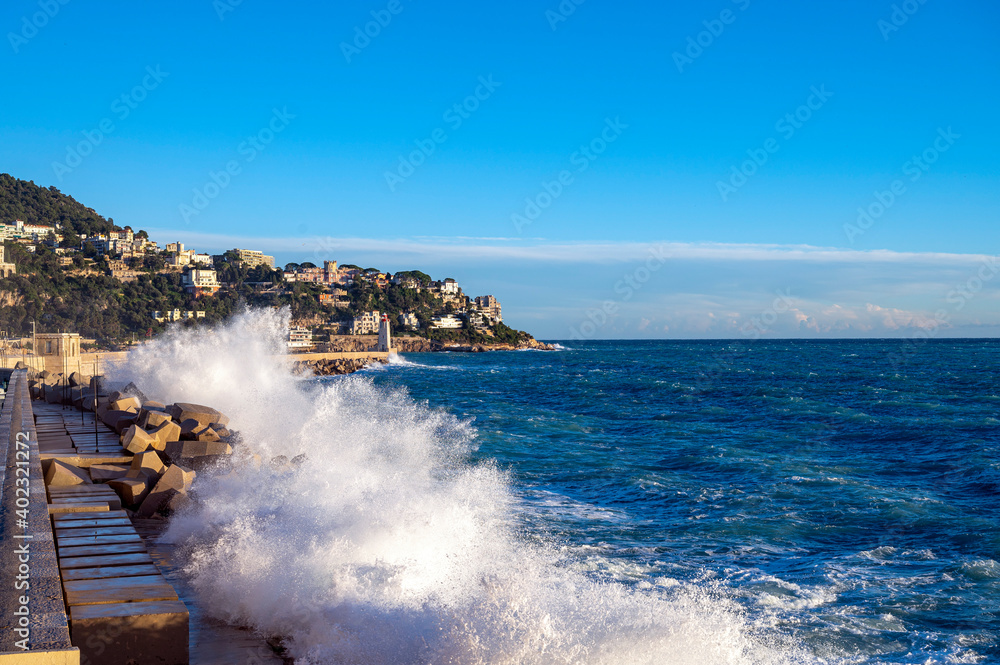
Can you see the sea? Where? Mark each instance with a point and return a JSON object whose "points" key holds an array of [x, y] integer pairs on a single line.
{"points": [[709, 502]]}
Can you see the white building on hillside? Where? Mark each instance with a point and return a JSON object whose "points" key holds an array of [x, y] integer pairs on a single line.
{"points": [[366, 324], [446, 321]]}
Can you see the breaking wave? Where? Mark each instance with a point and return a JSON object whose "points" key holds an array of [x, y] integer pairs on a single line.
{"points": [[387, 544]]}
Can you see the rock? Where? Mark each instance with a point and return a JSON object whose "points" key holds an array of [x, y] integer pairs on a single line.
{"points": [[101, 473], [299, 460], [150, 405], [88, 402], [130, 490], [175, 480], [149, 419], [177, 477], [223, 432], [178, 501], [131, 404], [54, 394], [148, 460], [137, 440], [111, 417], [124, 422], [205, 415], [205, 434], [164, 433], [61, 474], [188, 428], [97, 384], [44, 374], [177, 450], [280, 463], [132, 390], [192, 430], [116, 395], [77, 379]]}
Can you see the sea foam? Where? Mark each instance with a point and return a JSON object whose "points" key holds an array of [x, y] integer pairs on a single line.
{"points": [[388, 545]]}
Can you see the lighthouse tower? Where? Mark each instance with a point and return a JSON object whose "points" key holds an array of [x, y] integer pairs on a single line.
{"points": [[384, 339]]}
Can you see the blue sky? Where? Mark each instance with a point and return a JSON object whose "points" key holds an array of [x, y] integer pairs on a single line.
{"points": [[586, 139]]}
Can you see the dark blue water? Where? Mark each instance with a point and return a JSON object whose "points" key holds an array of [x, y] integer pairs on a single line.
{"points": [[844, 493]]}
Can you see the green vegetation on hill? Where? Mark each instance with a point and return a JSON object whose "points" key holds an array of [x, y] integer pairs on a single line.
{"points": [[82, 296], [88, 301], [22, 199]]}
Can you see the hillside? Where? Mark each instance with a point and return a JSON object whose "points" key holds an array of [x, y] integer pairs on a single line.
{"points": [[75, 290], [23, 199]]}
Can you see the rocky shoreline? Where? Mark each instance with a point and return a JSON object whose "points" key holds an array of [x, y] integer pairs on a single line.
{"points": [[421, 345], [340, 366], [333, 367]]}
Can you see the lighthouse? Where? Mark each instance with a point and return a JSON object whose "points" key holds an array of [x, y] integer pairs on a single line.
{"points": [[384, 339]]}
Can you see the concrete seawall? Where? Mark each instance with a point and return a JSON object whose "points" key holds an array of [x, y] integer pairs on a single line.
{"points": [[28, 562], [96, 363]]}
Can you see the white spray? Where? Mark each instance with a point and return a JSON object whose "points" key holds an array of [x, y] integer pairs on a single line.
{"points": [[387, 545]]}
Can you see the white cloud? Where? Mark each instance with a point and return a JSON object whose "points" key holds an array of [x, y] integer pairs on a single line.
{"points": [[507, 249]]}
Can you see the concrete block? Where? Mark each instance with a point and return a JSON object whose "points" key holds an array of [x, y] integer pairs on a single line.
{"points": [[110, 416], [175, 480], [131, 490], [131, 404], [101, 473], [145, 588], [150, 419], [164, 433], [144, 632], [136, 440], [95, 507], [60, 474], [105, 572], [82, 541], [100, 550], [176, 450], [105, 560], [205, 415], [148, 460], [124, 422]]}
